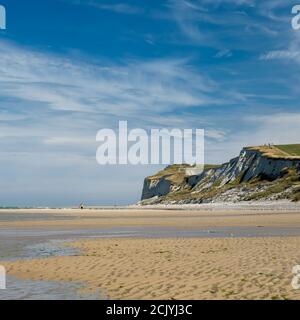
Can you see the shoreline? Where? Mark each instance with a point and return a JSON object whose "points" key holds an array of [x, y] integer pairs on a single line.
{"points": [[278, 205]]}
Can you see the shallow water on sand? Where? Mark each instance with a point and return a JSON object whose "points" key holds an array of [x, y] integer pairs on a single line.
{"points": [[17, 289], [7, 216], [33, 235], [43, 290]]}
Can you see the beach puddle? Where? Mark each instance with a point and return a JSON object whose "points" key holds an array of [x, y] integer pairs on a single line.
{"points": [[49, 249], [17, 289], [43, 290], [23, 248]]}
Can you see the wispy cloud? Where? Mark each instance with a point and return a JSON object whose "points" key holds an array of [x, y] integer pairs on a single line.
{"points": [[62, 84], [57, 101], [280, 54], [287, 50], [231, 17], [121, 7], [225, 53]]}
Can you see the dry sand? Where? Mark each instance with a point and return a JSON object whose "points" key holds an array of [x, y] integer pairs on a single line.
{"points": [[179, 268]]}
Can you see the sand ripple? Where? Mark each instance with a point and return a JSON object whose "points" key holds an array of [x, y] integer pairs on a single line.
{"points": [[182, 268]]}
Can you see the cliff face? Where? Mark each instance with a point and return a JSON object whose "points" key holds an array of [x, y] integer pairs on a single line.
{"points": [[168, 180], [156, 188], [253, 175]]}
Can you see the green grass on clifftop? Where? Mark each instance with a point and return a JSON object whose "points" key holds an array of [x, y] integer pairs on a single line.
{"points": [[287, 151], [176, 173], [290, 149]]}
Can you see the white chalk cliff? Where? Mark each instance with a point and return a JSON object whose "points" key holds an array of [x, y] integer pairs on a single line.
{"points": [[253, 175]]}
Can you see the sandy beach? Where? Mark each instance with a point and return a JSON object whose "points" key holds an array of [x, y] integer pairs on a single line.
{"points": [[175, 268], [190, 217], [230, 266]]}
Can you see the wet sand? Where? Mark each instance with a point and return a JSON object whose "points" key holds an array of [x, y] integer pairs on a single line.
{"points": [[192, 219], [157, 254]]}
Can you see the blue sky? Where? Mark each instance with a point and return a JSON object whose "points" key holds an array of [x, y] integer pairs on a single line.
{"points": [[69, 68]]}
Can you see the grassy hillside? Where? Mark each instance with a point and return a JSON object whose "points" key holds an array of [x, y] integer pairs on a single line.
{"points": [[291, 149], [176, 173], [288, 151]]}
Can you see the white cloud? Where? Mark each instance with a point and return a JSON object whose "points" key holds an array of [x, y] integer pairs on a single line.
{"points": [[124, 8], [61, 84], [280, 54], [225, 53], [193, 16], [290, 51], [215, 134]]}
